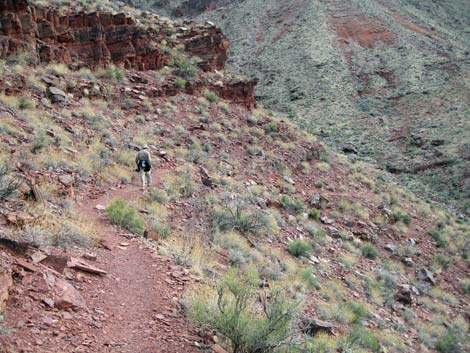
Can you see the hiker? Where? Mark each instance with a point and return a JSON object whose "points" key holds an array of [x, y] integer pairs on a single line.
{"points": [[143, 161]]}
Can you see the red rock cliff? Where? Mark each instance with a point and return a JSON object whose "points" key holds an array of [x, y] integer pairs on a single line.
{"points": [[92, 39], [98, 38]]}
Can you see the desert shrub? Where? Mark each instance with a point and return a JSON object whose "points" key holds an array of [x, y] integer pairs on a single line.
{"points": [[240, 217], [252, 120], [452, 342], [439, 237], [182, 185], [314, 213], [308, 277], [291, 204], [299, 248], [370, 251], [358, 310], [254, 150], [180, 83], [112, 72], [466, 285], [157, 195], [271, 127], [185, 68], [442, 260], [8, 184], [234, 316], [400, 216], [121, 214], [25, 102], [70, 234], [161, 228], [211, 96], [360, 337], [40, 141]]}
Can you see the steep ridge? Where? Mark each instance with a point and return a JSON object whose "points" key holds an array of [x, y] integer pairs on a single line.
{"points": [[243, 202], [389, 77]]}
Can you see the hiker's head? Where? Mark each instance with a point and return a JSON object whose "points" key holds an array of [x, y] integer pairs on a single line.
{"points": [[145, 147]]}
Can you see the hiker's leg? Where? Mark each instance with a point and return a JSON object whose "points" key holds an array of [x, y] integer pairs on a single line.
{"points": [[142, 179], [149, 178]]}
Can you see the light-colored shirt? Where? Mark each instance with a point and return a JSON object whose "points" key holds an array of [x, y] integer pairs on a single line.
{"points": [[143, 155]]}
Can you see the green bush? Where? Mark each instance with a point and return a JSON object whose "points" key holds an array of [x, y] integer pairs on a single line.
{"points": [[370, 251], [40, 141], [235, 317], [308, 277], [271, 127], [180, 83], [121, 214], [292, 204], [157, 195], [211, 96], [185, 68], [400, 216], [240, 217], [452, 342], [360, 337], [25, 103], [299, 248], [442, 260], [161, 228], [314, 213], [438, 237], [359, 311]]}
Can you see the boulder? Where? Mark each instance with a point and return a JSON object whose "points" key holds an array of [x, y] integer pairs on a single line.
{"points": [[56, 95], [406, 294], [313, 326]]}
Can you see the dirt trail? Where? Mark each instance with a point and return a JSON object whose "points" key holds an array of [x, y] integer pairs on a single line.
{"points": [[137, 302]]}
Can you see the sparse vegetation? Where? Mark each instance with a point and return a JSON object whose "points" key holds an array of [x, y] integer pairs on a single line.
{"points": [[299, 248], [121, 214], [370, 251], [232, 314], [8, 184], [240, 217], [211, 96]]}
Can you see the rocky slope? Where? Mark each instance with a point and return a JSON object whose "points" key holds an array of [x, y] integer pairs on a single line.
{"points": [[389, 77], [368, 266]]}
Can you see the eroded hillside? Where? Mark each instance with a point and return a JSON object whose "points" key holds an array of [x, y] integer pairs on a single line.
{"points": [[390, 78], [323, 254]]}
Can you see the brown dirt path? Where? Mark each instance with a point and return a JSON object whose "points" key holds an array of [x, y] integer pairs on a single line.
{"points": [[133, 309], [137, 302]]}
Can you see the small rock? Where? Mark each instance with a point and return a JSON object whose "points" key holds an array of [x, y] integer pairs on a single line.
{"points": [[326, 220], [67, 296], [408, 261], [426, 275], [314, 259], [90, 256], [49, 302], [390, 247], [37, 257], [100, 207]]}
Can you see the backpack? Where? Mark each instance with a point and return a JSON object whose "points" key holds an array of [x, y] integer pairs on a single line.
{"points": [[144, 165]]}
